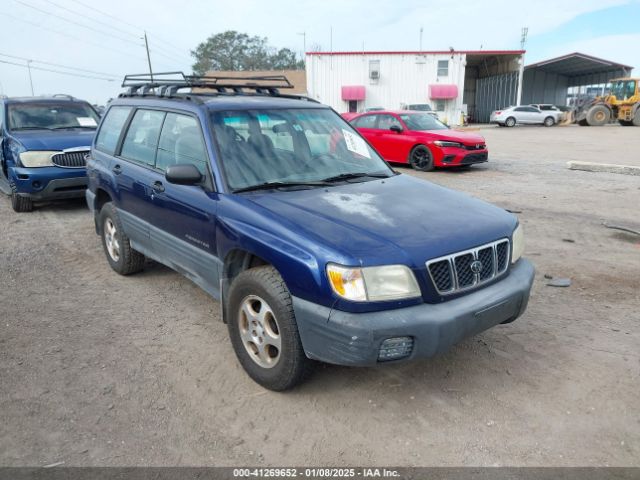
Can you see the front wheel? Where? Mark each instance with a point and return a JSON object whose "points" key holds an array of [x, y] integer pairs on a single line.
{"points": [[421, 159], [263, 329], [117, 247], [20, 204], [549, 122]]}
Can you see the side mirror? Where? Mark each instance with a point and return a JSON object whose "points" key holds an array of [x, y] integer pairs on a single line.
{"points": [[183, 174], [396, 128]]}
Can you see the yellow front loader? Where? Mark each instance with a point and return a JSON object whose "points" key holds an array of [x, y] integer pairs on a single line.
{"points": [[622, 103]]}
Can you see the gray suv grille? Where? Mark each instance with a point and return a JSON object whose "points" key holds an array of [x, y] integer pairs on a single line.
{"points": [[70, 159], [471, 268]]}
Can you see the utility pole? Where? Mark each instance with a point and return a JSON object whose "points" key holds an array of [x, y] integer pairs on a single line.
{"points": [[146, 44], [421, 30], [304, 45], [30, 79], [523, 42]]}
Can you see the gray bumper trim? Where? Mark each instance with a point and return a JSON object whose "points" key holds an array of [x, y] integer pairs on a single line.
{"points": [[345, 338], [60, 188]]}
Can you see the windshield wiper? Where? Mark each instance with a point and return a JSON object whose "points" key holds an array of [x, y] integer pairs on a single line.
{"points": [[31, 128], [272, 185], [349, 176], [74, 126]]}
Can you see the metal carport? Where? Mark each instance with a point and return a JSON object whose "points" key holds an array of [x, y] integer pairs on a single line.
{"points": [[549, 81]]}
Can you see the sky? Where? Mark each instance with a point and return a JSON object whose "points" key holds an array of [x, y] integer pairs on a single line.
{"points": [[103, 40]]}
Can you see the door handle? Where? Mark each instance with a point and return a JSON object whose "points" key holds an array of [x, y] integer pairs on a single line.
{"points": [[117, 169], [157, 187]]}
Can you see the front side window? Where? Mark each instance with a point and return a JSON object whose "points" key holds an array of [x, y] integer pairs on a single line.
{"points": [[51, 116], [288, 146], [443, 68], [107, 139], [422, 121], [385, 122], [141, 141], [181, 142]]}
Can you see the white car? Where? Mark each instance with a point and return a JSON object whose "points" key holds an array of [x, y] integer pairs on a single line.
{"points": [[525, 114]]}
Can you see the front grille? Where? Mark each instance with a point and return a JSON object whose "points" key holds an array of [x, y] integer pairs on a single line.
{"points": [[478, 146], [469, 269], [70, 159]]}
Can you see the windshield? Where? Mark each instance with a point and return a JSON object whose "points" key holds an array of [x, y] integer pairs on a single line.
{"points": [[623, 89], [51, 116], [289, 146], [422, 121]]}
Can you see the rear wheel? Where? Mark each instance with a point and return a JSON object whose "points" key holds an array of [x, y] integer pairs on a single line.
{"points": [[510, 122], [598, 115], [421, 159], [20, 204], [636, 118], [263, 329], [117, 247], [549, 122]]}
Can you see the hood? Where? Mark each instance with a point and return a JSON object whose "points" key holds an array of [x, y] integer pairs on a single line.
{"points": [[54, 140], [397, 220], [456, 136]]}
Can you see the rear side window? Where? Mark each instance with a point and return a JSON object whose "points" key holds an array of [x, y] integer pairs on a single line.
{"points": [[141, 141], [181, 142], [368, 121], [111, 128]]}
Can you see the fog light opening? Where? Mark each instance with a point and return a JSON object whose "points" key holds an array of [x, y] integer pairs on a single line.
{"points": [[395, 348], [36, 184]]}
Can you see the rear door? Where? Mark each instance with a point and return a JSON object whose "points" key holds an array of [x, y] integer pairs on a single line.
{"points": [[133, 171]]}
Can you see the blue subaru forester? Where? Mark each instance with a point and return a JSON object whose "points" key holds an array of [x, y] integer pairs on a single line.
{"points": [[315, 247], [43, 144]]}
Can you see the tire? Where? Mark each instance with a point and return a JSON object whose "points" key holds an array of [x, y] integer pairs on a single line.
{"points": [[20, 204], [421, 159], [598, 115], [625, 123], [263, 329], [583, 122], [117, 247], [636, 118], [510, 122], [549, 122]]}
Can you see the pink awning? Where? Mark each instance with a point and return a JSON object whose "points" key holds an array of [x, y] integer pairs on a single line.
{"points": [[353, 92], [443, 91]]}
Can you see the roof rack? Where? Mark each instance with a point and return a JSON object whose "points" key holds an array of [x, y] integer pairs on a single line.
{"points": [[169, 84]]}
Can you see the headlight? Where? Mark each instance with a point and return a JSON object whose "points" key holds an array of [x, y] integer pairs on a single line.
{"points": [[373, 284], [442, 143], [36, 158], [518, 244]]}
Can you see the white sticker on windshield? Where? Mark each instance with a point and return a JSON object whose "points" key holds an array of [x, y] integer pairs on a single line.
{"points": [[356, 144], [86, 122]]}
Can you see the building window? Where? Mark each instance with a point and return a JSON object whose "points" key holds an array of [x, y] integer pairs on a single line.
{"points": [[443, 68], [439, 105], [374, 70]]}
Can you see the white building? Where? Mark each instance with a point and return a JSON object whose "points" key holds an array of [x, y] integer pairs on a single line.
{"points": [[449, 81]]}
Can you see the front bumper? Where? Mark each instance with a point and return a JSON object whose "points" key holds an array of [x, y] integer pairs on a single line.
{"points": [[354, 339], [49, 183], [453, 157]]}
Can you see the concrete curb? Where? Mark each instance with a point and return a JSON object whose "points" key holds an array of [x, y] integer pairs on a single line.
{"points": [[604, 167]]}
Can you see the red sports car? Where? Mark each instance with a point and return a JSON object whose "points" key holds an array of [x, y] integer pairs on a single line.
{"points": [[420, 140]]}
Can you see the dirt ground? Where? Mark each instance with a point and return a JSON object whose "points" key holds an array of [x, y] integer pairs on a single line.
{"points": [[98, 369]]}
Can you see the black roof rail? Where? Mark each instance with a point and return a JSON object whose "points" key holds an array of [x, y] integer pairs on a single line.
{"points": [[169, 84]]}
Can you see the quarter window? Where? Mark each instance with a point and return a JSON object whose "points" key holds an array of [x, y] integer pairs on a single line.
{"points": [[111, 128], [443, 68], [181, 142], [141, 141]]}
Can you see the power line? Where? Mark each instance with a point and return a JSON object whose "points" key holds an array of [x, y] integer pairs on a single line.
{"points": [[121, 52], [59, 65], [57, 71], [137, 27]]}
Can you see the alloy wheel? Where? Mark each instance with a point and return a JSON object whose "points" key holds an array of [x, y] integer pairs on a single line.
{"points": [[259, 331]]}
